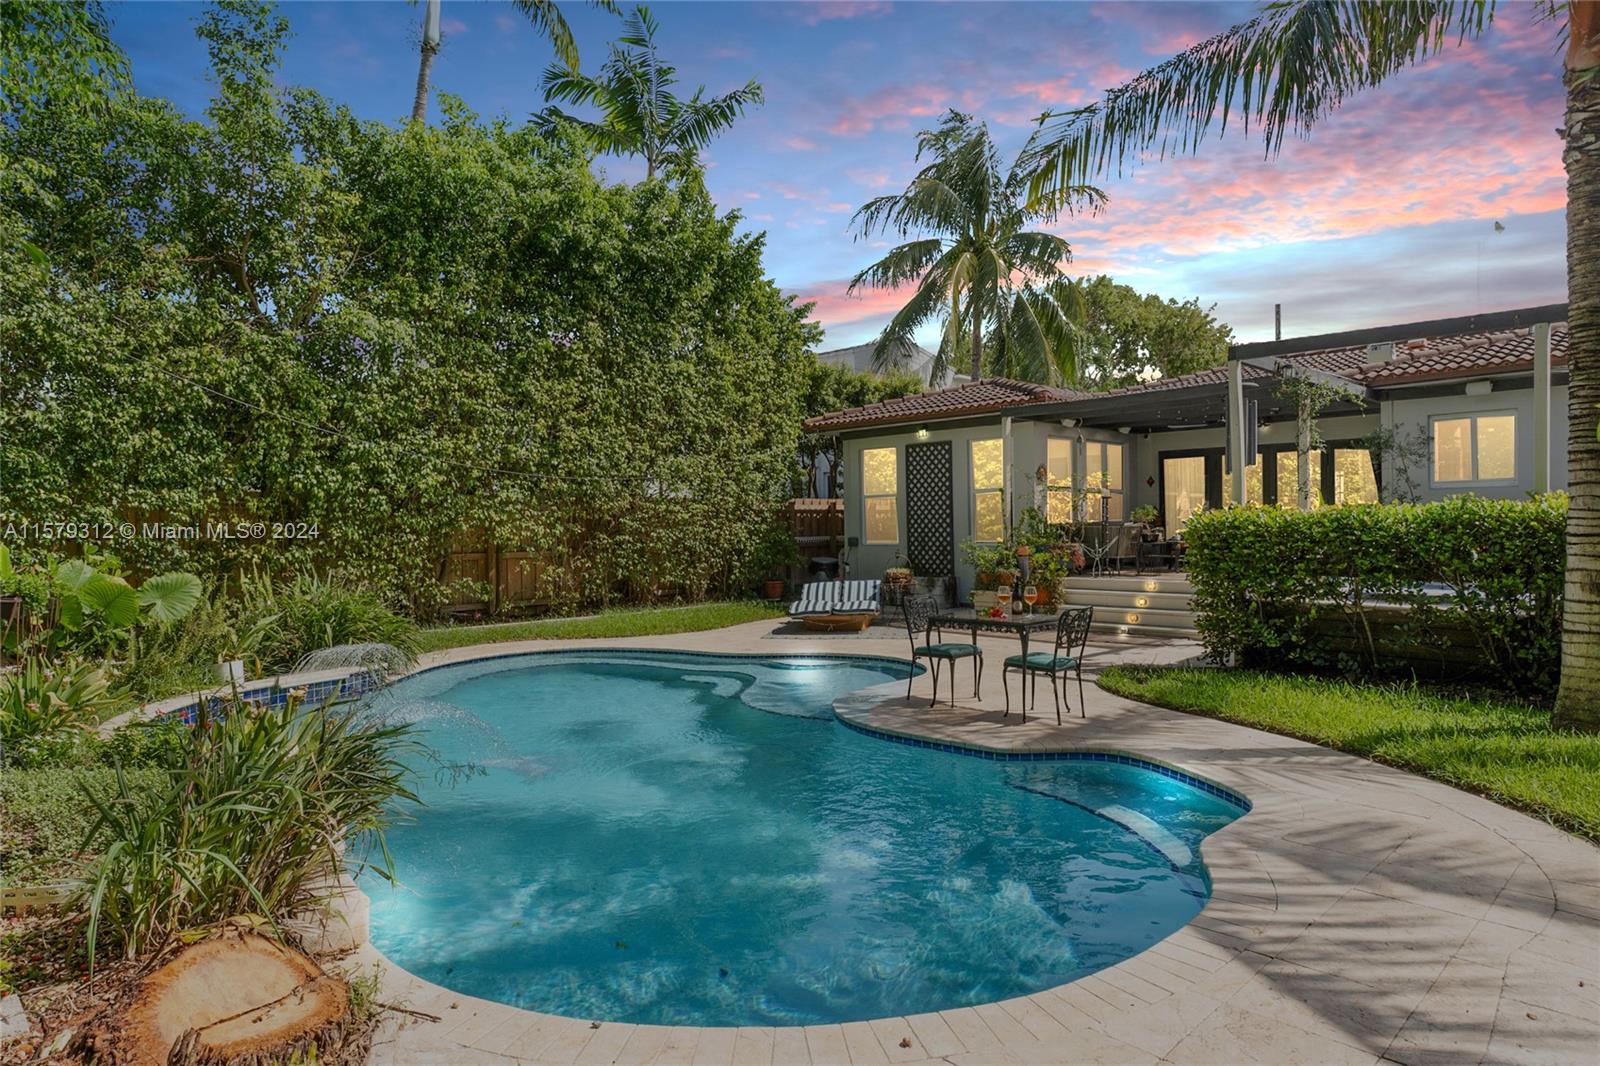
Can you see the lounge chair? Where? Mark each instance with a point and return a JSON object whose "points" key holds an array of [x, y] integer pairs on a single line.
{"points": [[837, 606]]}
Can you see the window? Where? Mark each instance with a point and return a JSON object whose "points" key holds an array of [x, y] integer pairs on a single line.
{"points": [[880, 495], [1289, 478], [1183, 489], [988, 491], [1353, 478], [1058, 480], [1469, 448], [1102, 468]]}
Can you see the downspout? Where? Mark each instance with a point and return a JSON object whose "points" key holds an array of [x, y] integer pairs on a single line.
{"points": [[1005, 477]]}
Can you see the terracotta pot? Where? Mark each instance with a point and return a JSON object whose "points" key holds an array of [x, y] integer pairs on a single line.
{"points": [[772, 588]]}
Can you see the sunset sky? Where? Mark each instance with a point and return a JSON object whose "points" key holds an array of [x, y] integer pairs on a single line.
{"points": [[1386, 214]]}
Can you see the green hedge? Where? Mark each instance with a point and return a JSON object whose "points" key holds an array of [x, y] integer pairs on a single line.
{"points": [[1348, 587]]}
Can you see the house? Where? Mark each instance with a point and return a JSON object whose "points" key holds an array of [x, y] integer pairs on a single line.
{"points": [[910, 357], [1475, 404]]}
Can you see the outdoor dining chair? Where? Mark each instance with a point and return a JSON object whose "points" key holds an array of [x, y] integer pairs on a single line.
{"points": [[1072, 636], [918, 612]]}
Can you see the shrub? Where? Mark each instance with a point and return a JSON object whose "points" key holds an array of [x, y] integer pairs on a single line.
{"points": [[1382, 588], [47, 709], [253, 822], [309, 612], [48, 813]]}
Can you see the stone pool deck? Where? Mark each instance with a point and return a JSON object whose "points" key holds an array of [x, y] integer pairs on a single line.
{"points": [[1360, 914]]}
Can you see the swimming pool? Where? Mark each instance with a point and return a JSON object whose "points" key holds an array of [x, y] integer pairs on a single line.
{"points": [[678, 838]]}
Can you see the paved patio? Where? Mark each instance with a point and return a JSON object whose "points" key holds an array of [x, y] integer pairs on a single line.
{"points": [[1360, 914]]}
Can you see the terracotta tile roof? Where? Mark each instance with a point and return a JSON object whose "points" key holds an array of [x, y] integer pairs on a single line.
{"points": [[1471, 355], [1424, 359], [983, 396]]}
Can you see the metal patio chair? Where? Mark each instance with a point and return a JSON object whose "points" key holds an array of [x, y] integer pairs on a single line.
{"points": [[1072, 636], [918, 612]]}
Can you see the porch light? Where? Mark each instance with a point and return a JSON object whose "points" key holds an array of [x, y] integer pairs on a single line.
{"points": [[1125, 430], [922, 432]]}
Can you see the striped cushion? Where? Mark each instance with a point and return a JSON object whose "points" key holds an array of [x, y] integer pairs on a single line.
{"points": [[836, 597]]}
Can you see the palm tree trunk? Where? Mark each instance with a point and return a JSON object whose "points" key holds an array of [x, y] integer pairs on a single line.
{"points": [[430, 48], [419, 105], [977, 341], [1578, 703]]}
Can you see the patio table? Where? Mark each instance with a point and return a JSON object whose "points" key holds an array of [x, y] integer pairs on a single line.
{"points": [[979, 622]]}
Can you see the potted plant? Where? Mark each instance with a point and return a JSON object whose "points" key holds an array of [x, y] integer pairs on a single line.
{"points": [[898, 580], [773, 556], [1148, 517], [991, 566]]}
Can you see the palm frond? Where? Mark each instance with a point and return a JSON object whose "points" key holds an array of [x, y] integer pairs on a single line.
{"points": [[1280, 71], [547, 19], [900, 265]]}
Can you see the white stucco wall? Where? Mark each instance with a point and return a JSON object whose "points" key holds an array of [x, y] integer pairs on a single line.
{"points": [[1408, 416]]}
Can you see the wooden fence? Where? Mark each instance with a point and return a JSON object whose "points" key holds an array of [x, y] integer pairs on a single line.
{"points": [[490, 579], [817, 525]]}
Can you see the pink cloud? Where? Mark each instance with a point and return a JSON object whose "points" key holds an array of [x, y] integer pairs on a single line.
{"points": [[505, 23], [453, 26], [834, 308], [872, 179], [895, 106], [800, 144], [816, 13]]}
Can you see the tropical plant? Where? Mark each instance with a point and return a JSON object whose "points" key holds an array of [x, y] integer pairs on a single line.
{"points": [[46, 708], [640, 115], [1286, 69], [254, 822], [545, 16], [974, 265], [311, 611], [1147, 514]]}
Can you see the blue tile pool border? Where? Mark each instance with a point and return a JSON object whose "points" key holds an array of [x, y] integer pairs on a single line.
{"points": [[1225, 794]]}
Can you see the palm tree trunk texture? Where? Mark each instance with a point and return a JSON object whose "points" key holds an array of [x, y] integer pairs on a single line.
{"points": [[419, 104], [1578, 704], [977, 342]]}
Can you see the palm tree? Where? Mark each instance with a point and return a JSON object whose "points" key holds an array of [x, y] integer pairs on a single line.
{"points": [[544, 15], [974, 266], [1286, 69], [639, 114]]}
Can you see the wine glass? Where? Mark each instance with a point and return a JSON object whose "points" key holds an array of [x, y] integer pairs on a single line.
{"points": [[1002, 598], [1030, 596]]}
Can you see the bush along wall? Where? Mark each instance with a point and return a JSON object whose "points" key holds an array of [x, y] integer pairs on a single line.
{"points": [[1469, 587], [358, 341]]}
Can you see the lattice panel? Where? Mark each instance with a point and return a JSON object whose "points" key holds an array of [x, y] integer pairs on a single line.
{"points": [[930, 509]]}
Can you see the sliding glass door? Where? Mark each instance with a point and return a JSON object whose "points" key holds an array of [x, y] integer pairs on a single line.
{"points": [[1183, 488]]}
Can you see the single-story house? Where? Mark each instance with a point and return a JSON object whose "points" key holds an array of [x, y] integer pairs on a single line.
{"points": [[1475, 404]]}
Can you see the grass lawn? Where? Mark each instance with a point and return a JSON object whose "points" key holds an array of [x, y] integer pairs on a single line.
{"points": [[632, 622], [1505, 751]]}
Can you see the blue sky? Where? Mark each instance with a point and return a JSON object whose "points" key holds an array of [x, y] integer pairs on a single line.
{"points": [[1386, 214]]}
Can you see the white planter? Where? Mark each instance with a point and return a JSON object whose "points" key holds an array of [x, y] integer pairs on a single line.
{"points": [[230, 672]]}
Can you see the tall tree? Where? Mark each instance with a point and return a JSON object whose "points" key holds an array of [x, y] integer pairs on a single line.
{"points": [[1289, 67], [974, 265], [544, 15], [639, 113], [1132, 336]]}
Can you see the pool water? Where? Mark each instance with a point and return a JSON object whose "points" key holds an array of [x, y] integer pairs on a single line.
{"points": [[685, 839]]}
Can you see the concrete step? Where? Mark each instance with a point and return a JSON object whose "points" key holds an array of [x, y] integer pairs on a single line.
{"points": [[1152, 582], [1138, 616], [1142, 630], [1128, 599]]}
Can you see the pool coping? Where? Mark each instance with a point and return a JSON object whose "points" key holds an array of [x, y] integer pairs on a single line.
{"points": [[1266, 971]]}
